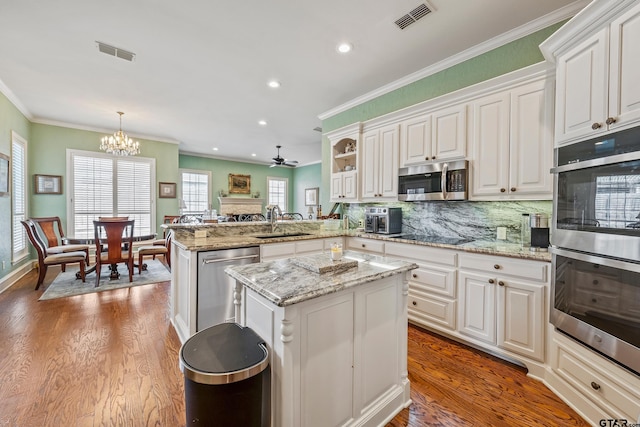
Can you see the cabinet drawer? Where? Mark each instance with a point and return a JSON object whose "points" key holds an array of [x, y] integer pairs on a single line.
{"points": [[600, 387], [309, 246], [526, 269], [421, 253], [365, 245], [428, 309], [441, 280]]}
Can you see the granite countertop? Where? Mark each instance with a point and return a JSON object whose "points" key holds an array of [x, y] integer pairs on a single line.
{"points": [[284, 282]]}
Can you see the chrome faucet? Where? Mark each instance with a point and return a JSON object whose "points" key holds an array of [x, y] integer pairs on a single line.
{"points": [[274, 217]]}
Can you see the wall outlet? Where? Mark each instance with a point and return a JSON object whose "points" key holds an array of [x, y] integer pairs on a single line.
{"points": [[201, 234], [501, 233], [3, 265]]}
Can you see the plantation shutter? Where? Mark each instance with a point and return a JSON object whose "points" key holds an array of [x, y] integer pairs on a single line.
{"points": [[19, 197]]}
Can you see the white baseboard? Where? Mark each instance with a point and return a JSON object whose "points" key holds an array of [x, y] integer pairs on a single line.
{"points": [[11, 278]]}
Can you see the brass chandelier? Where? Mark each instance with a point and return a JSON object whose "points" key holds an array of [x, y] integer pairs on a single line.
{"points": [[120, 144]]}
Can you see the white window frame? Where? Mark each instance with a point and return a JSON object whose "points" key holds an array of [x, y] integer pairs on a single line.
{"points": [[71, 230], [209, 186], [284, 208], [18, 253]]}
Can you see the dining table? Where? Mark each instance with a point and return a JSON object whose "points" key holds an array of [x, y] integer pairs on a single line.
{"points": [[114, 275]]}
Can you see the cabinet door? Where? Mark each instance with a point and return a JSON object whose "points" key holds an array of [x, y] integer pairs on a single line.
{"points": [[337, 188], [476, 312], [490, 166], [369, 170], [415, 140], [388, 162], [531, 142], [350, 186], [520, 315], [581, 89], [624, 90], [449, 134]]}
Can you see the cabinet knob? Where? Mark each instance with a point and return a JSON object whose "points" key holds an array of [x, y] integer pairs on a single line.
{"points": [[496, 266], [500, 283], [426, 158], [364, 246], [433, 157], [595, 385], [502, 190], [414, 303], [414, 275], [596, 126], [492, 281], [513, 189], [611, 120]]}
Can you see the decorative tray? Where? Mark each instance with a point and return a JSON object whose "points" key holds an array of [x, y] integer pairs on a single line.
{"points": [[322, 263]]}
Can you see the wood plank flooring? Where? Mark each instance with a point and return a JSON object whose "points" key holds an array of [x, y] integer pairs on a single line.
{"points": [[111, 359]]}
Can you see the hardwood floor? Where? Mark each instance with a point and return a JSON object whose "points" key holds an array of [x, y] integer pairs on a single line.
{"points": [[111, 358]]}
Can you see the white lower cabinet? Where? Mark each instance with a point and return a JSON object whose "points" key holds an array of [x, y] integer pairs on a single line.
{"points": [[502, 302], [365, 245], [273, 251], [432, 286], [599, 388]]}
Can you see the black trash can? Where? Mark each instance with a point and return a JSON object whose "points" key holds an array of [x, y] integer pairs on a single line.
{"points": [[226, 377]]}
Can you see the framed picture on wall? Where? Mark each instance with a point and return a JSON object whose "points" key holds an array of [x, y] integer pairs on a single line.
{"points": [[167, 190], [239, 184], [311, 196], [47, 184], [4, 175]]}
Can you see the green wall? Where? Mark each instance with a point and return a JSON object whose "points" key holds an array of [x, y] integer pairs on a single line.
{"points": [[307, 177], [220, 170], [504, 59], [11, 119], [48, 155]]}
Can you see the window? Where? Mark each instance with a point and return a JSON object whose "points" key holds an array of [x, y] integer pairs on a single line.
{"points": [[194, 190], [277, 192], [18, 196], [104, 185]]}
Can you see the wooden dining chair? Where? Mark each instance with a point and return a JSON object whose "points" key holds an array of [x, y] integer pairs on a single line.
{"points": [[117, 238], [51, 227], [45, 260]]}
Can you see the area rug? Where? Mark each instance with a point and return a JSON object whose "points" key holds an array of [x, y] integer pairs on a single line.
{"points": [[66, 284]]}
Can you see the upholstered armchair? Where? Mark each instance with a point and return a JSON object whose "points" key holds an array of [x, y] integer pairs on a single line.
{"points": [[54, 241]]}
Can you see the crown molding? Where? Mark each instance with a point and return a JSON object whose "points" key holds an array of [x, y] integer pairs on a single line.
{"points": [[524, 30], [14, 100]]}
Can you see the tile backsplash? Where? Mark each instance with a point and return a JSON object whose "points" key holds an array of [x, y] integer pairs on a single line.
{"points": [[475, 220]]}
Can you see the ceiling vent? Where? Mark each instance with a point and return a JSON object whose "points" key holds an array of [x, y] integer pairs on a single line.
{"points": [[115, 51], [419, 12]]}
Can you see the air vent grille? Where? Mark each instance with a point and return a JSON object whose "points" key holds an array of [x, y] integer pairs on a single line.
{"points": [[115, 51], [418, 12]]}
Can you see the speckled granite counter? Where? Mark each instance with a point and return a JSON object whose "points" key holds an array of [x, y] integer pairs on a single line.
{"points": [[283, 282], [236, 235]]}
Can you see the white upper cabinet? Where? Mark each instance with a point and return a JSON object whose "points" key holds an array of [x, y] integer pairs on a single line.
{"points": [[512, 144], [380, 153], [345, 163], [597, 67], [437, 135]]}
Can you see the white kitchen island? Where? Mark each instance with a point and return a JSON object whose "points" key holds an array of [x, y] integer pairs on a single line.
{"points": [[337, 340]]}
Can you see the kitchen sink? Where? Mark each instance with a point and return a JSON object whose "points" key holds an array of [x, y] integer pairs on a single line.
{"points": [[277, 236]]}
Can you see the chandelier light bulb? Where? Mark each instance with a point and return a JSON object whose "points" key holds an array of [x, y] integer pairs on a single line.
{"points": [[119, 144]]}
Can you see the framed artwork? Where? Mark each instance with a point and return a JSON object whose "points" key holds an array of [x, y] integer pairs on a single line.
{"points": [[239, 184], [47, 184], [167, 190], [4, 175], [311, 196]]}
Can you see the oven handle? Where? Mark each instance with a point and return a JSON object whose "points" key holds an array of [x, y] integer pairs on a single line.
{"points": [[602, 161], [595, 259], [443, 180]]}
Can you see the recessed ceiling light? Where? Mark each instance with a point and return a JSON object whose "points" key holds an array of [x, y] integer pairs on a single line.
{"points": [[253, 154], [262, 122], [344, 47], [215, 148], [274, 84]]}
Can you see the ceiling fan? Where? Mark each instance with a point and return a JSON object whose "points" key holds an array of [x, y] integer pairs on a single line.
{"points": [[279, 161]]}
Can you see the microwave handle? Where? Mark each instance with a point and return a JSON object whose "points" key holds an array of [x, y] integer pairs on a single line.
{"points": [[443, 180]]}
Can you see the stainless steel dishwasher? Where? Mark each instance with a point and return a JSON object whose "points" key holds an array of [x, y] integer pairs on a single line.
{"points": [[215, 287]]}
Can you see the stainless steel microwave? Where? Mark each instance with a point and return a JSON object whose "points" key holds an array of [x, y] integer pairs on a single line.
{"points": [[435, 181]]}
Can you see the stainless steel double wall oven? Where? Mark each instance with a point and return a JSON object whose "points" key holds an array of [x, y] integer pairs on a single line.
{"points": [[595, 240]]}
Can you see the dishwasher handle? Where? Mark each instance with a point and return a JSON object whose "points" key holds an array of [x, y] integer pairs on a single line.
{"points": [[213, 261]]}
